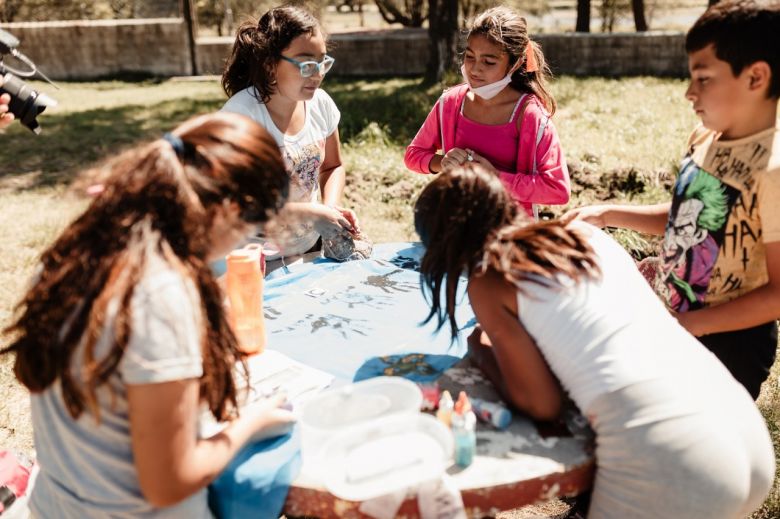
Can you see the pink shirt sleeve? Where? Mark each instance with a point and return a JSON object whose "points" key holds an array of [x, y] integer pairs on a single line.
{"points": [[425, 144], [550, 184]]}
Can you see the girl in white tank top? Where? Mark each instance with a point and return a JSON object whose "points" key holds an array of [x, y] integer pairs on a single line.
{"points": [[564, 309]]}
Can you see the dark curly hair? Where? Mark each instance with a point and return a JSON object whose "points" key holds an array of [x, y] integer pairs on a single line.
{"points": [[743, 32], [155, 200], [258, 47], [468, 223]]}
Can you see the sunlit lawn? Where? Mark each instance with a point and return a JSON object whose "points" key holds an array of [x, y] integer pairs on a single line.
{"points": [[622, 138]]}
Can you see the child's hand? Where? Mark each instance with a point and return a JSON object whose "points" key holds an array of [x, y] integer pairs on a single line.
{"points": [[330, 222], [592, 214], [482, 161], [269, 414], [351, 217], [453, 158], [479, 346]]}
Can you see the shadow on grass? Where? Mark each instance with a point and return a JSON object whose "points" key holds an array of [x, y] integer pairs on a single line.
{"points": [[75, 141], [398, 106]]}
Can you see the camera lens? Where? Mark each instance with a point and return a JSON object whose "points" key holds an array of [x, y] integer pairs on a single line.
{"points": [[26, 103]]}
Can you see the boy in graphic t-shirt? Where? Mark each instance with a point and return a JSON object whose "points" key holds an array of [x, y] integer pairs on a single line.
{"points": [[719, 269]]}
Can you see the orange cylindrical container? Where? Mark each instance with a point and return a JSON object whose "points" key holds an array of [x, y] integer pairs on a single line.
{"points": [[245, 292]]}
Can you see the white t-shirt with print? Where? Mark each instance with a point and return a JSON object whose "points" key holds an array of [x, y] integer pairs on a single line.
{"points": [[303, 153]]}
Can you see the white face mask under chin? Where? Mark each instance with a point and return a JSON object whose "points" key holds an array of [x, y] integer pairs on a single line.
{"points": [[487, 91]]}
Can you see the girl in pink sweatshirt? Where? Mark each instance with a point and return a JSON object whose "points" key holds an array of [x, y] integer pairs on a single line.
{"points": [[507, 130]]}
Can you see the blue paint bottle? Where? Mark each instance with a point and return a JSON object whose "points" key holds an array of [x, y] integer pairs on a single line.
{"points": [[465, 437], [492, 412]]}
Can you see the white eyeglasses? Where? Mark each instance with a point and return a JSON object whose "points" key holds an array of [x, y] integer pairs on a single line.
{"points": [[308, 68]]}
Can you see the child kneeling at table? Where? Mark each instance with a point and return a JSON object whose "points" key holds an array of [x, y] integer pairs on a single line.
{"points": [[563, 308]]}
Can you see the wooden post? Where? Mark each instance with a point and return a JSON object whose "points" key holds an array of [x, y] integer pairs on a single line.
{"points": [[191, 21]]}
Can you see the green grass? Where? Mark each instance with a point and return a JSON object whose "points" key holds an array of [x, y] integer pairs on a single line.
{"points": [[622, 138]]}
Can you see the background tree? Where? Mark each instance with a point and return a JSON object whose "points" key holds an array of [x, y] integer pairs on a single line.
{"points": [[41, 10], [470, 8], [9, 9], [583, 16], [121, 8], [638, 7], [443, 38], [157, 8], [409, 13]]}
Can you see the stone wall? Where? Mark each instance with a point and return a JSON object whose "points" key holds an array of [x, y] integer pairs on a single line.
{"points": [[405, 52], [103, 48], [92, 49], [628, 54]]}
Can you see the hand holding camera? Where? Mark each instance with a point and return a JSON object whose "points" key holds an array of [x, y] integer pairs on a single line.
{"points": [[17, 99], [6, 117]]}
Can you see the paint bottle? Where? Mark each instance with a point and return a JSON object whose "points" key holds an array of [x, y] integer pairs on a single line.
{"points": [[492, 412], [465, 437], [245, 293], [444, 414], [463, 404]]}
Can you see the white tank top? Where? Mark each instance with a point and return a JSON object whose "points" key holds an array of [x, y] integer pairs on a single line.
{"points": [[602, 335]]}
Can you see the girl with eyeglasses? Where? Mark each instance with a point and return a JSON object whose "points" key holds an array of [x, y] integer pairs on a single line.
{"points": [[273, 76]]}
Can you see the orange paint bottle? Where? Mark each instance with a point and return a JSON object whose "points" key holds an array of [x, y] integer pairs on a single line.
{"points": [[245, 293]]}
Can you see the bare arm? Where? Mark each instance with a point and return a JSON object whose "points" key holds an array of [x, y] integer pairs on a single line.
{"points": [[332, 173], [756, 307], [516, 365], [171, 461], [649, 219]]}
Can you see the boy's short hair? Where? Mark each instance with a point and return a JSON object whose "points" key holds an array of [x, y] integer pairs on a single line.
{"points": [[743, 32]]}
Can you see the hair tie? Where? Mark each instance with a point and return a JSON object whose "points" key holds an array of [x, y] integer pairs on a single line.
{"points": [[176, 143], [530, 58]]}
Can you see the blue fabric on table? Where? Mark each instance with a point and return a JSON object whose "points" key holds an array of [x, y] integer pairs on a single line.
{"points": [[256, 482], [417, 367], [354, 320], [338, 316]]}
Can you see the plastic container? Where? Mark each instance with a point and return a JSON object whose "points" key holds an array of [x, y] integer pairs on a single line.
{"points": [[465, 438], [346, 407], [245, 292], [493, 413], [386, 455]]}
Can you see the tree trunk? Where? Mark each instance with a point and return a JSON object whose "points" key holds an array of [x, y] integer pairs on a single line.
{"points": [[443, 38], [638, 6], [187, 8], [583, 16]]}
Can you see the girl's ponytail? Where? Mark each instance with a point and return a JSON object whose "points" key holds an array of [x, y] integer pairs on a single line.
{"points": [[535, 81], [242, 64]]}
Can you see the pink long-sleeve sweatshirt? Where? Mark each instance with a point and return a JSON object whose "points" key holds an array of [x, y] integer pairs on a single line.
{"points": [[511, 151]]}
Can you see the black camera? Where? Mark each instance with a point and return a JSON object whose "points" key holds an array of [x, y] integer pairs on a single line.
{"points": [[26, 103]]}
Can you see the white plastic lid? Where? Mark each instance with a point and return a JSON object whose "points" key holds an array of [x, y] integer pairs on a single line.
{"points": [[386, 455], [356, 403]]}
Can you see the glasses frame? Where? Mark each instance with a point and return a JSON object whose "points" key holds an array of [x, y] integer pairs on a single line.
{"points": [[320, 65]]}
